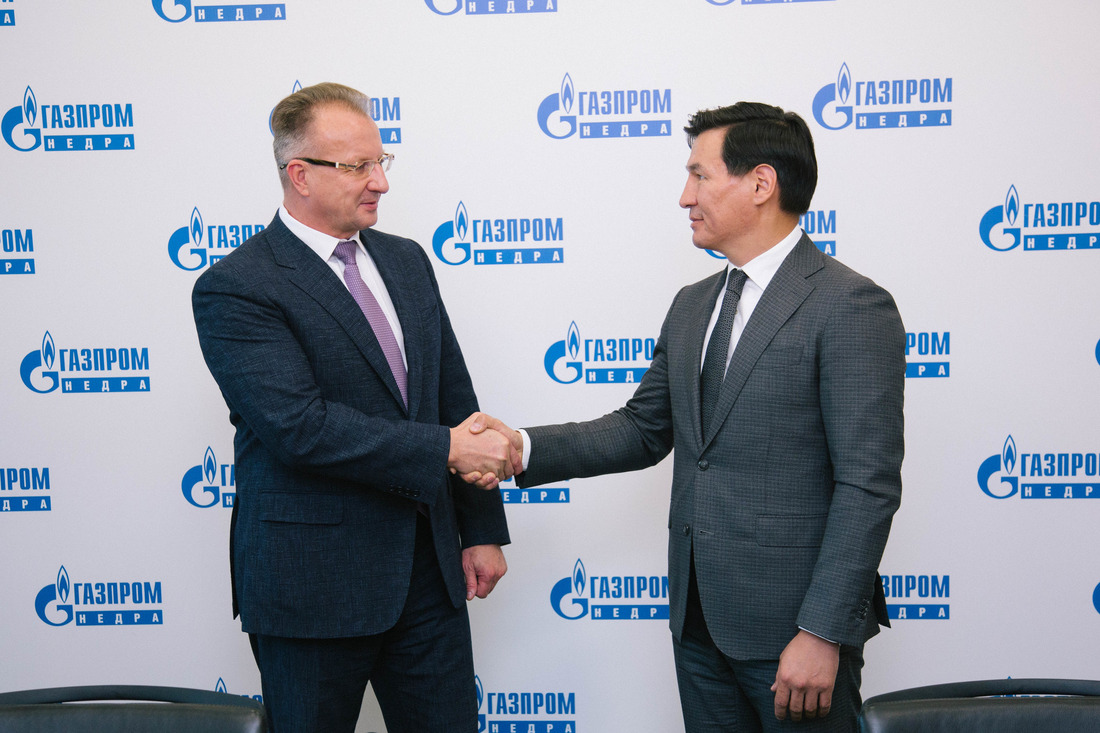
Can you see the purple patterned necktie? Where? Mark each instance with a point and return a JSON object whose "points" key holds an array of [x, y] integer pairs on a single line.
{"points": [[345, 251]]}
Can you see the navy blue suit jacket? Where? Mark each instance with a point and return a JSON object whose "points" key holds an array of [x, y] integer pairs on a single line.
{"points": [[330, 464]]}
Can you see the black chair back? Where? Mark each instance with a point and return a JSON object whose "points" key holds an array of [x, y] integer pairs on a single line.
{"points": [[129, 708], [987, 706]]}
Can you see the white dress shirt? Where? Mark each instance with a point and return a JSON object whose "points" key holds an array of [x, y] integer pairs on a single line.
{"points": [[760, 270], [324, 246]]}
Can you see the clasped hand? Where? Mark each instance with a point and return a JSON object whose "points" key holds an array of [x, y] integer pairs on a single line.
{"points": [[485, 451]]}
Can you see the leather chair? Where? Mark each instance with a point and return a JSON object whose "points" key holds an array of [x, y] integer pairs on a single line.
{"points": [[987, 706], [126, 708]]}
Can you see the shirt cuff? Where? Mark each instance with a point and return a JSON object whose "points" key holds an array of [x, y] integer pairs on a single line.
{"points": [[819, 636], [526, 446]]}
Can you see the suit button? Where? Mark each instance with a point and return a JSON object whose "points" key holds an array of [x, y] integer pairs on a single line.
{"points": [[687, 530], [703, 464]]}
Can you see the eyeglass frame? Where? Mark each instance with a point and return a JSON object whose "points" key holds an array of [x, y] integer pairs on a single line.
{"points": [[385, 160]]}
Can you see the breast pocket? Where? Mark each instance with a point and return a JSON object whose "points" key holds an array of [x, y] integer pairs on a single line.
{"points": [[781, 356]]}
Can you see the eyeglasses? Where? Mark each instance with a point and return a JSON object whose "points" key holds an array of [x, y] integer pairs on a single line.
{"points": [[359, 170]]}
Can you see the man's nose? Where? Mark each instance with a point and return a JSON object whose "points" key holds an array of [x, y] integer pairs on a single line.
{"points": [[687, 198], [377, 180]]}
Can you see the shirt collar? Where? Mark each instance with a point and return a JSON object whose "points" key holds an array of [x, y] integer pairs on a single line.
{"points": [[762, 268], [321, 243]]}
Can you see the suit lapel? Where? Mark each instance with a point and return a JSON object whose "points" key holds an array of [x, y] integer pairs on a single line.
{"points": [[783, 296], [700, 313], [316, 279]]}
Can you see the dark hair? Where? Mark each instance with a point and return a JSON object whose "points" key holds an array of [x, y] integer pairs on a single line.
{"points": [[760, 133]]}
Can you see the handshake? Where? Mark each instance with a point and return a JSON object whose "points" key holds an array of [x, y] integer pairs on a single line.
{"points": [[485, 451]]}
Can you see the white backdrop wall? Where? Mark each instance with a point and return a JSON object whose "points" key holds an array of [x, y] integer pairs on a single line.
{"points": [[957, 149]]}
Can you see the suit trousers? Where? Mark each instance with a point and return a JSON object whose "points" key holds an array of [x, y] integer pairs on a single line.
{"points": [[421, 670], [719, 694]]}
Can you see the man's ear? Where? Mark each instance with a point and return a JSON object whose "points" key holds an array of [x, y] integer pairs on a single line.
{"points": [[766, 181], [296, 173]]}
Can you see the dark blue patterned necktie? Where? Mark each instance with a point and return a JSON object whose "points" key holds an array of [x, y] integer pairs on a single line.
{"points": [[714, 364]]}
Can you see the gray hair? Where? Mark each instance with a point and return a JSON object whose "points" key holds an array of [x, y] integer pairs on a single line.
{"points": [[292, 116]]}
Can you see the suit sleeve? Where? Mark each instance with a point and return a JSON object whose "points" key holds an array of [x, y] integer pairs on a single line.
{"points": [[480, 513], [251, 345], [636, 436], [862, 379]]}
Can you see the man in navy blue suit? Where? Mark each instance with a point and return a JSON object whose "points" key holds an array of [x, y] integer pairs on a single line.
{"points": [[354, 548]]}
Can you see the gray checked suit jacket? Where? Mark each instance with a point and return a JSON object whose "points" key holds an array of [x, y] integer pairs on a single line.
{"points": [[787, 497]]}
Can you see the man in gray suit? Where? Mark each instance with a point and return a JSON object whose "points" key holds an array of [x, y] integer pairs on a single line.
{"points": [[787, 468]]}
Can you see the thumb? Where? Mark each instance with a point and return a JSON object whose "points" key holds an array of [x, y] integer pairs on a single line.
{"points": [[483, 422], [478, 424], [471, 583]]}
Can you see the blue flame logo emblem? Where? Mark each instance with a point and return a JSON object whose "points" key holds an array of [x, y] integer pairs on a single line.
{"points": [[1008, 454], [448, 241], [559, 105], [30, 107], [1004, 464], [461, 221], [204, 476], [565, 351], [188, 238], [1004, 214], [63, 584], [210, 466], [1012, 205], [579, 576], [196, 227], [220, 687], [22, 116], [40, 362], [844, 83], [833, 98], [55, 594], [571, 588], [48, 350], [567, 93]]}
